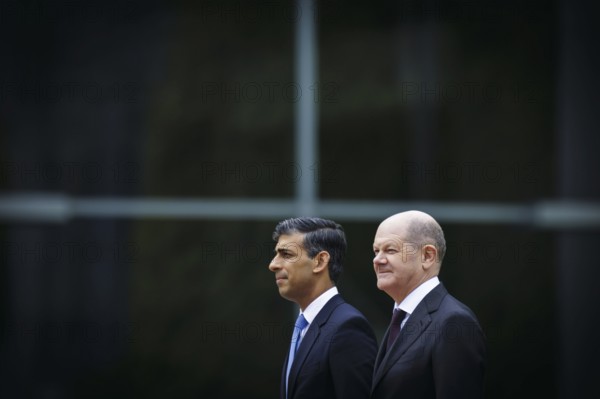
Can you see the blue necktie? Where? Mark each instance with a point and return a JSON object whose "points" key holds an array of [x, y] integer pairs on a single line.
{"points": [[298, 327]]}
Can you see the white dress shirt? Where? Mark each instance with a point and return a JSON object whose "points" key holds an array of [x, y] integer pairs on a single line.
{"points": [[413, 299], [315, 307]]}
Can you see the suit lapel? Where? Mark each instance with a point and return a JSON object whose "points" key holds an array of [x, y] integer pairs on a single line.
{"points": [[381, 353], [282, 385], [309, 340], [418, 322]]}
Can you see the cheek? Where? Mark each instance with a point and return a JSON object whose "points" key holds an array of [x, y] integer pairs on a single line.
{"points": [[296, 273]]}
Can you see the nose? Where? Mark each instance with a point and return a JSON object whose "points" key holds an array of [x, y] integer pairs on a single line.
{"points": [[274, 266], [379, 259]]}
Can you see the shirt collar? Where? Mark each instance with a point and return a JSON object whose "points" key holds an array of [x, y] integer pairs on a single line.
{"points": [[315, 306], [416, 296]]}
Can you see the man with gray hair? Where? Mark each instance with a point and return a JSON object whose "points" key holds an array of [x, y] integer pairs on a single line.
{"points": [[434, 347]]}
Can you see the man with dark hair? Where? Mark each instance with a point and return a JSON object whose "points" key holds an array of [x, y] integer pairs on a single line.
{"points": [[333, 346], [434, 347]]}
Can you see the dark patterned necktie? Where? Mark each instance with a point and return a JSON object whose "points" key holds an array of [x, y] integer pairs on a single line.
{"points": [[395, 327]]}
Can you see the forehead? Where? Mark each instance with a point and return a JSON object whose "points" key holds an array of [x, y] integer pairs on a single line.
{"points": [[290, 241], [388, 234]]}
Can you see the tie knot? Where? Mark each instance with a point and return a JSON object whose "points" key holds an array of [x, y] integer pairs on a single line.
{"points": [[398, 315], [301, 322]]}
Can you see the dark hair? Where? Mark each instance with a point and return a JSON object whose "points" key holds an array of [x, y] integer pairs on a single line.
{"points": [[319, 235]]}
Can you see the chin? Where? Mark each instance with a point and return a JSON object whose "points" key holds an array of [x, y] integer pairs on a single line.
{"points": [[285, 294], [381, 285]]}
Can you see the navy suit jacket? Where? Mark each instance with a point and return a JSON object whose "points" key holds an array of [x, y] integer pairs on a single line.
{"points": [[439, 353], [335, 357]]}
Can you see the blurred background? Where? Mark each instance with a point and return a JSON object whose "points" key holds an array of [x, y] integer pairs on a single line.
{"points": [[148, 148]]}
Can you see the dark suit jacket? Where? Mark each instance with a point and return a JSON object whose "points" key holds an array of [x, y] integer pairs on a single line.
{"points": [[439, 353], [335, 358]]}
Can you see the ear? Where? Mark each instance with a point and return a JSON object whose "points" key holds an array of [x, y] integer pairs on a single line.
{"points": [[321, 261], [428, 256]]}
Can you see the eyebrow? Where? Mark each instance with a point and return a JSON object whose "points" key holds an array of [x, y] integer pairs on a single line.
{"points": [[281, 250], [387, 243]]}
